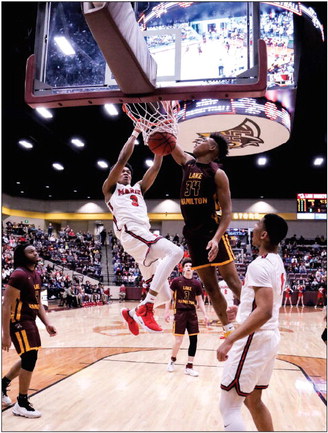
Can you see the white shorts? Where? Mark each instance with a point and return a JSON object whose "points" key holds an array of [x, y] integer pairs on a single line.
{"points": [[250, 362], [137, 241]]}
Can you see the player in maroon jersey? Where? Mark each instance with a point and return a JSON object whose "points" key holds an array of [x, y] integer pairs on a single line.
{"points": [[187, 293], [21, 305], [204, 189]]}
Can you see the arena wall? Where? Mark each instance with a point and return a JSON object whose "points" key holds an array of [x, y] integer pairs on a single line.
{"points": [[165, 215]]}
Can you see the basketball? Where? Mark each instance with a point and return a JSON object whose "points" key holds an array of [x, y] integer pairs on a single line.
{"points": [[162, 143]]}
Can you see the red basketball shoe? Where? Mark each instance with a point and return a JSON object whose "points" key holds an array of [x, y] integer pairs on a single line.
{"points": [[145, 316], [133, 325]]}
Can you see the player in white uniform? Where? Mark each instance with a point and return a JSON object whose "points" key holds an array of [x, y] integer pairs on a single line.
{"points": [[155, 255], [250, 350]]}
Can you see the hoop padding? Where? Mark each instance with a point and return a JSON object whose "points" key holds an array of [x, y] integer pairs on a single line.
{"points": [[154, 117]]}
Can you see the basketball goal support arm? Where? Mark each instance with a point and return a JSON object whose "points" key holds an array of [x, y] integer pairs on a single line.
{"points": [[117, 33]]}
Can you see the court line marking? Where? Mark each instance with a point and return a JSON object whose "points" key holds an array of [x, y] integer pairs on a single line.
{"points": [[143, 349]]}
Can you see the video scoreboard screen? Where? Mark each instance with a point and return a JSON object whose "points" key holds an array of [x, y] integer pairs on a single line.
{"points": [[311, 206]]}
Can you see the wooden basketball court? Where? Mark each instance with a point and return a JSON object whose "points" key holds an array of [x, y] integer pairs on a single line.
{"points": [[96, 376]]}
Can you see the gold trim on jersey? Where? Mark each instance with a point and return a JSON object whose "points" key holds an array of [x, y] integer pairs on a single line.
{"points": [[22, 350], [228, 246], [212, 264], [23, 341], [16, 314]]}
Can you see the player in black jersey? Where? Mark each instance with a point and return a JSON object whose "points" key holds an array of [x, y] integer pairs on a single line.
{"points": [[205, 189]]}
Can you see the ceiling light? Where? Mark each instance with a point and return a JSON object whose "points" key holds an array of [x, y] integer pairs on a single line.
{"points": [[77, 142], [111, 109], [262, 160], [64, 45], [26, 144], [47, 186], [102, 164], [18, 183], [22, 192], [49, 195], [58, 166], [44, 112], [318, 161], [149, 162], [74, 190]]}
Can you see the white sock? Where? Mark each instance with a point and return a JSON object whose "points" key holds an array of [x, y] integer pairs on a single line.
{"points": [[228, 328], [230, 408], [149, 298], [131, 312]]}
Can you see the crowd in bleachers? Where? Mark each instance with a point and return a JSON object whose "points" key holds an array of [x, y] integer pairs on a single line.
{"points": [[305, 262], [80, 251]]}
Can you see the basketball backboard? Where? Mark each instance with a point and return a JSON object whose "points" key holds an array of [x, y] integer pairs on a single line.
{"points": [[201, 50], [234, 64]]}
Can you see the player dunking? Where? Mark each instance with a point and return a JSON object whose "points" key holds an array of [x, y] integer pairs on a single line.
{"points": [[205, 187], [186, 292], [251, 349], [132, 228]]}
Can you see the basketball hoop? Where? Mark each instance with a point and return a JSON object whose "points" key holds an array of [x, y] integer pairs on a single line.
{"points": [[153, 117]]}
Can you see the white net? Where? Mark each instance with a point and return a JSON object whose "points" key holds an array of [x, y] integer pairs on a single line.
{"points": [[154, 117]]}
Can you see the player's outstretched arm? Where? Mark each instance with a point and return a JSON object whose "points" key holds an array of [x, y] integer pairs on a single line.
{"points": [[123, 158], [151, 174], [180, 156]]}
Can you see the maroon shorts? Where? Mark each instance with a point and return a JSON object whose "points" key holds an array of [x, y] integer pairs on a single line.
{"points": [[25, 336], [197, 242], [185, 320]]}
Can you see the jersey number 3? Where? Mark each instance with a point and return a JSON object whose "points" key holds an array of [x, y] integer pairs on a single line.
{"points": [[134, 200]]}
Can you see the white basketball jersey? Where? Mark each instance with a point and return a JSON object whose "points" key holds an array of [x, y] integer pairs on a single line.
{"points": [[264, 271], [227, 293], [127, 205]]}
